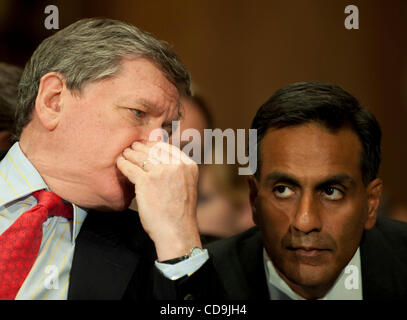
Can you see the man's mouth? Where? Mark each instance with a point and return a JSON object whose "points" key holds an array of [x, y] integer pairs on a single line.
{"points": [[308, 252]]}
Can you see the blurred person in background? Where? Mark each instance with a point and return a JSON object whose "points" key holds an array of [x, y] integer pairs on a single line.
{"points": [[399, 212], [195, 115], [9, 78], [392, 209], [223, 202], [223, 196]]}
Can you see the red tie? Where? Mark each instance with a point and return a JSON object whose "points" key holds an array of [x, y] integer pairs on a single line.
{"points": [[20, 243]]}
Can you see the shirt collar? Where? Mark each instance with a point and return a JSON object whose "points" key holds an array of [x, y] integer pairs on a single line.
{"points": [[348, 286], [19, 178]]}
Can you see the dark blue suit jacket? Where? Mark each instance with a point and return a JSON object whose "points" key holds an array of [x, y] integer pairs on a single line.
{"points": [[383, 249]]}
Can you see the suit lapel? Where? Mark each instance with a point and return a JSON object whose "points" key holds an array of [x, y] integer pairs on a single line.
{"points": [[251, 255], [239, 261], [103, 263]]}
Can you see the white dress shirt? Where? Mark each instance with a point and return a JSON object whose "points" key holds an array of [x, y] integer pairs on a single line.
{"points": [[49, 276], [348, 285]]}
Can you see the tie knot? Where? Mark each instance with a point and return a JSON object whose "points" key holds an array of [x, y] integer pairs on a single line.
{"points": [[54, 204]]}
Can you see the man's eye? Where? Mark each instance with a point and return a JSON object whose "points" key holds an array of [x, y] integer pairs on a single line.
{"points": [[333, 193], [283, 192], [138, 113]]}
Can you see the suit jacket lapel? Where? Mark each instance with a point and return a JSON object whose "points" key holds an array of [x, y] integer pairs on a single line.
{"points": [[251, 255], [103, 263], [239, 261]]}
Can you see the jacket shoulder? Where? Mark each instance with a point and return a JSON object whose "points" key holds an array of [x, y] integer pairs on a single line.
{"points": [[239, 264], [226, 246], [395, 234]]}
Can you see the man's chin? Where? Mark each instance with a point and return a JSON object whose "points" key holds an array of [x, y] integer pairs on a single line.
{"points": [[120, 202], [114, 205], [312, 277]]}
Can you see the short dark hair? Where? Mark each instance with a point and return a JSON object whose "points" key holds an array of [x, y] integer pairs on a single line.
{"points": [[325, 104], [9, 77]]}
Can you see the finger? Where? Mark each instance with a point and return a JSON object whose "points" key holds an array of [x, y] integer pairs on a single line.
{"points": [[155, 152], [135, 157], [179, 156], [130, 170], [163, 152], [140, 159]]}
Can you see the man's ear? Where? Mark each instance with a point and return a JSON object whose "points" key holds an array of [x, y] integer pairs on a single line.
{"points": [[374, 192], [254, 191], [48, 101]]}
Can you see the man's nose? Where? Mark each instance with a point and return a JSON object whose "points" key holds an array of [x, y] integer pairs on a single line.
{"points": [[307, 218]]}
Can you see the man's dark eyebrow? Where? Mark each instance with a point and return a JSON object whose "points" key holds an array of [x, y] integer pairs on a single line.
{"points": [[341, 178], [277, 176]]}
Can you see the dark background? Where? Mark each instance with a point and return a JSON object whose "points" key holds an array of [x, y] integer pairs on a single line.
{"points": [[240, 52]]}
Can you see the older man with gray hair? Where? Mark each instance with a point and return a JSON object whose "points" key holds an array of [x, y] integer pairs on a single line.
{"points": [[89, 98]]}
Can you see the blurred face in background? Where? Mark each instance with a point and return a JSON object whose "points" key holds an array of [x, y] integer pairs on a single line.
{"points": [[223, 197], [311, 204], [223, 201], [192, 117]]}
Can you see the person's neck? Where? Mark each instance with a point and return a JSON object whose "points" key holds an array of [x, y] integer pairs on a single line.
{"points": [[49, 163], [308, 292]]}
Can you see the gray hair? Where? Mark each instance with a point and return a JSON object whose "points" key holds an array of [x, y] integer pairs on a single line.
{"points": [[89, 50]]}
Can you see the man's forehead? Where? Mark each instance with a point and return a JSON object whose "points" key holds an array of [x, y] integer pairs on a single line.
{"points": [[143, 73], [317, 178], [310, 149], [299, 139], [158, 105], [138, 82]]}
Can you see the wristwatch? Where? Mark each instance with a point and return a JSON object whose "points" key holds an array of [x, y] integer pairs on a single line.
{"points": [[192, 253]]}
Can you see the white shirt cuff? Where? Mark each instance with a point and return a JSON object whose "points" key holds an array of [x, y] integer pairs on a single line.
{"points": [[185, 267]]}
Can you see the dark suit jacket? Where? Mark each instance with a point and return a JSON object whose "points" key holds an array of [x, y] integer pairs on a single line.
{"points": [[383, 249], [114, 259]]}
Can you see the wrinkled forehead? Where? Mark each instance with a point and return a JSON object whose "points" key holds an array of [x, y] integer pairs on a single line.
{"points": [[140, 81]]}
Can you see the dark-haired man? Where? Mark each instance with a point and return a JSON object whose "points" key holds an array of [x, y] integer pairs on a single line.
{"points": [[315, 200]]}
